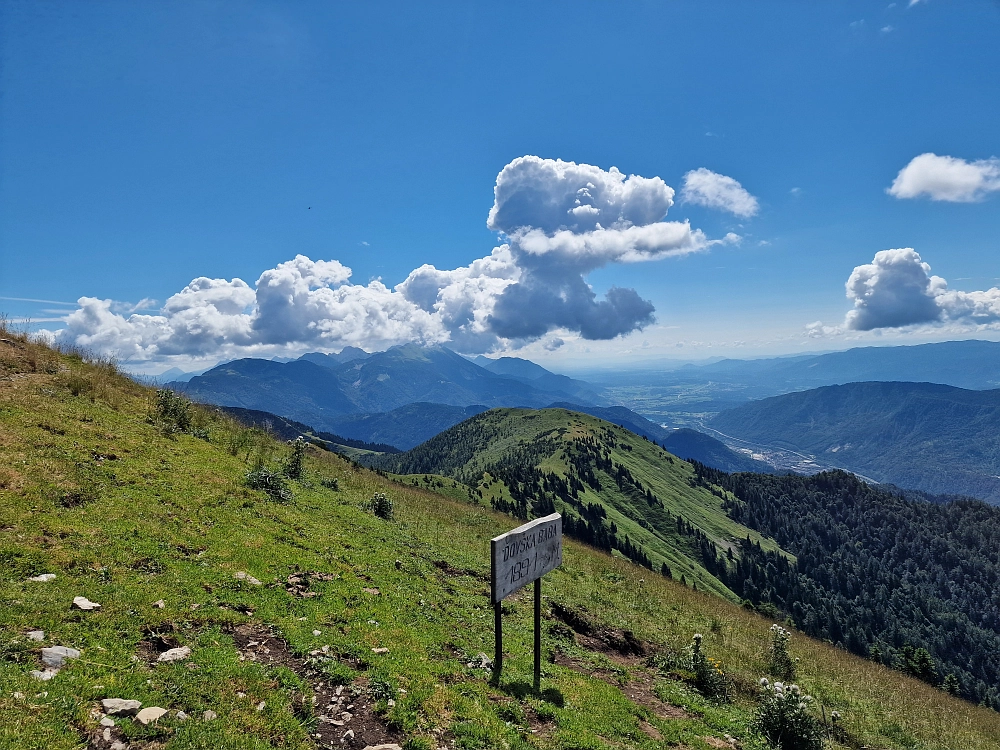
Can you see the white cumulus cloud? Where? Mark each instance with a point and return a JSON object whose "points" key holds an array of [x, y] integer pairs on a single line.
{"points": [[703, 187], [897, 290], [558, 222], [946, 178]]}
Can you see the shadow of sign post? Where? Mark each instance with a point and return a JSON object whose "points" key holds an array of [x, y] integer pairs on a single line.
{"points": [[518, 558]]}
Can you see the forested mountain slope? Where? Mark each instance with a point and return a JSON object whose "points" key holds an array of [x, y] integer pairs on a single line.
{"points": [[616, 490], [876, 573], [929, 437]]}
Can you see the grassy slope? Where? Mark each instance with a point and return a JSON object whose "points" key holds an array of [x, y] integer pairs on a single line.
{"points": [[500, 432], [169, 518]]}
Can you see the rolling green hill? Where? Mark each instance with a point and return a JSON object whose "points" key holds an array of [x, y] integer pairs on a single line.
{"points": [[616, 490], [313, 623]]}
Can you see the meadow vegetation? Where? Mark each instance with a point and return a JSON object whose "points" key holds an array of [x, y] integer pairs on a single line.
{"points": [[150, 513]]}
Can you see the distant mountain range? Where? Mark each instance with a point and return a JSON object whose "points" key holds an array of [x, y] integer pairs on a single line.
{"points": [[686, 395], [930, 437], [318, 389], [965, 364]]}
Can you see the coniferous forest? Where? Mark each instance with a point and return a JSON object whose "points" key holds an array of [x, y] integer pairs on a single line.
{"points": [[908, 583]]}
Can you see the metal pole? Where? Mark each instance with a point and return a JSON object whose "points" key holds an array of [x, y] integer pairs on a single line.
{"points": [[538, 635], [498, 645]]}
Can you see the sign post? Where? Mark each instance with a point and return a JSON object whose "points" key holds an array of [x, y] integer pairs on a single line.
{"points": [[518, 558]]}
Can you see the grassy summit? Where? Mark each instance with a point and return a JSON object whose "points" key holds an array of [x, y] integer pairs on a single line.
{"points": [[284, 602], [615, 489]]}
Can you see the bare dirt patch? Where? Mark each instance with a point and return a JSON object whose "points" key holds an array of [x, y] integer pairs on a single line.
{"points": [[623, 648], [345, 715]]}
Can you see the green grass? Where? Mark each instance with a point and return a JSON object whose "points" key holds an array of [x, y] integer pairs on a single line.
{"points": [[169, 518], [500, 434]]}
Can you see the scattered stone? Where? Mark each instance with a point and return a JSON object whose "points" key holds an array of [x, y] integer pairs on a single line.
{"points": [[480, 661], [43, 578], [36, 635], [317, 633], [119, 745], [107, 721], [82, 602], [57, 656], [44, 675], [241, 576], [107, 735], [149, 715], [120, 707], [159, 604], [380, 650], [261, 706], [373, 591], [175, 654], [386, 746], [18, 696], [348, 735], [209, 715], [181, 716]]}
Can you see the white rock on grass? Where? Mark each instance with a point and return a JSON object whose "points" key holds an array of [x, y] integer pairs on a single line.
{"points": [[57, 656], [248, 578], [43, 578], [149, 715], [387, 746], [159, 604], [175, 654], [107, 721], [209, 715], [44, 675], [120, 707], [181, 716], [82, 602], [36, 635]]}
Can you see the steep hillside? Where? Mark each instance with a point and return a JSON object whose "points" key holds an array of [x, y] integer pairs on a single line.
{"points": [[615, 490], [879, 574], [935, 438], [313, 623], [560, 386], [286, 429], [405, 427]]}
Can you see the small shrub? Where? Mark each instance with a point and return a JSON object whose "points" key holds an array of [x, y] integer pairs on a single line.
{"points": [[380, 690], [708, 675], [331, 484], [271, 483], [78, 384], [293, 466], [784, 720], [381, 506], [173, 411], [780, 663]]}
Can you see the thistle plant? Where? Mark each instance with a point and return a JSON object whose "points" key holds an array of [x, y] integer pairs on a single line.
{"points": [[784, 720], [270, 482], [381, 506], [780, 661], [293, 466], [708, 675]]}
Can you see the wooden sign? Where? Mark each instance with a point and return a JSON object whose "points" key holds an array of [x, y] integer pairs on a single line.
{"points": [[525, 554], [520, 557]]}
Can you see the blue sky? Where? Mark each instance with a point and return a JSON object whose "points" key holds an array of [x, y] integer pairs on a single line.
{"points": [[144, 145]]}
